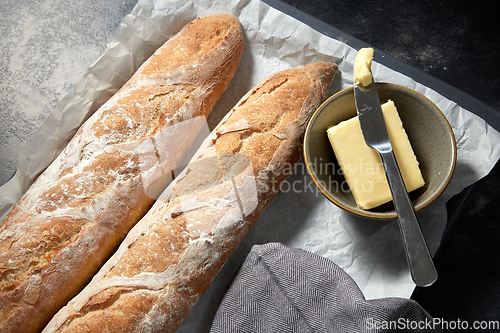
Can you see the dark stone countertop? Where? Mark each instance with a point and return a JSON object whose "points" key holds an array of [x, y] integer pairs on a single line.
{"points": [[457, 42]]}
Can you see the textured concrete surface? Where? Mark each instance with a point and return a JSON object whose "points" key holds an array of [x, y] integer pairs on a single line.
{"points": [[45, 48]]}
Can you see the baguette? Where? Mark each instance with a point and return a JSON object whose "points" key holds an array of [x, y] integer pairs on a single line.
{"points": [[170, 257], [82, 206]]}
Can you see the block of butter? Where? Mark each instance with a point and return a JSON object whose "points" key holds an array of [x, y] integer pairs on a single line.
{"points": [[362, 166]]}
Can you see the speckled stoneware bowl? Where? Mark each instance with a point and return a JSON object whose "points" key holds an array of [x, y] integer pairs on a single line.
{"points": [[429, 132]]}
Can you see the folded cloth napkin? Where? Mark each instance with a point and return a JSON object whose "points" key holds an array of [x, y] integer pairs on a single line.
{"points": [[283, 289]]}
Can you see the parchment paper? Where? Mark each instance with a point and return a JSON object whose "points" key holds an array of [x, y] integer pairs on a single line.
{"points": [[371, 252]]}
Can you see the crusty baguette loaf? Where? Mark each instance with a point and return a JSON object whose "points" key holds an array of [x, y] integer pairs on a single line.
{"points": [[171, 256], [79, 210]]}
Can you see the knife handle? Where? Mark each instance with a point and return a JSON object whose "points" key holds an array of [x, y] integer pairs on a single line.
{"points": [[418, 256]]}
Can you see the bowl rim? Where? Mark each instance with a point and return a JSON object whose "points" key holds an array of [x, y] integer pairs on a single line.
{"points": [[367, 213]]}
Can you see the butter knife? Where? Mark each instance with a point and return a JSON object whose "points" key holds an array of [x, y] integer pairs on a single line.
{"points": [[375, 134]]}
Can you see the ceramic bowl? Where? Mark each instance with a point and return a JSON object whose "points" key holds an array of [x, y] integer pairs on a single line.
{"points": [[429, 133]]}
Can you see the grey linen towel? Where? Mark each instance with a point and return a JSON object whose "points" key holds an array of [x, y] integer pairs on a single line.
{"points": [[283, 289]]}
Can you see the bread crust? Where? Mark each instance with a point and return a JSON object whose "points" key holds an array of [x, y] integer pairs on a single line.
{"points": [[79, 210], [170, 257]]}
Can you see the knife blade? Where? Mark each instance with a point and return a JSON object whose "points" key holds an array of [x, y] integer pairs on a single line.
{"points": [[375, 133]]}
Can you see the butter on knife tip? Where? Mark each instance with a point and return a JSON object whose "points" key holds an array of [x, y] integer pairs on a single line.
{"points": [[362, 67]]}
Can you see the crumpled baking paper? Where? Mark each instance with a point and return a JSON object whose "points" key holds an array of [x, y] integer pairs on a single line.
{"points": [[370, 251]]}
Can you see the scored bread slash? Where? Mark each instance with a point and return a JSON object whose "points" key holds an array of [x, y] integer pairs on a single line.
{"points": [[79, 210], [171, 256]]}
